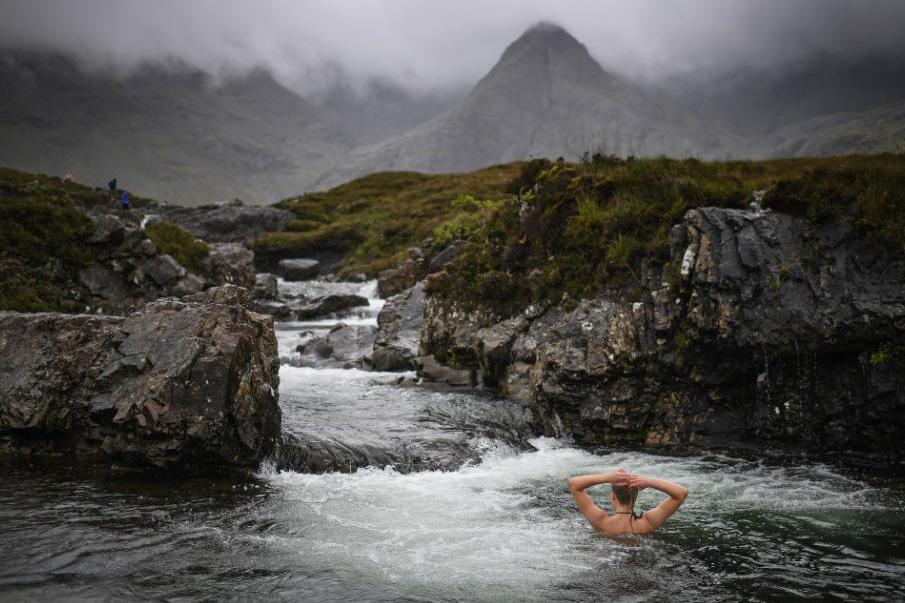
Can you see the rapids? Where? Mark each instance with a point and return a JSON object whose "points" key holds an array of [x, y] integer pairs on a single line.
{"points": [[449, 498]]}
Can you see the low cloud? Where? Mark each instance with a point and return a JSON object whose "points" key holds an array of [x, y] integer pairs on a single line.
{"points": [[439, 43]]}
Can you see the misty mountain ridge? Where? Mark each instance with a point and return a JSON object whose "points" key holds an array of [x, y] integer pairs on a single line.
{"points": [[545, 97], [170, 134]]}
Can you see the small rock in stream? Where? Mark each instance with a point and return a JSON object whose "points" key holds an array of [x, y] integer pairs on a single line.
{"points": [[299, 269]]}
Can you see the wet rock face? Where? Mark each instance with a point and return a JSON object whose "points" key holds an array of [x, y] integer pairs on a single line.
{"points": [[187, 384], [228, 223], [399, 331], [771, 336]]}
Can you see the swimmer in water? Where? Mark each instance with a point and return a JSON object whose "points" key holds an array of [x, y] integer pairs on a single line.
{"points": [[625, 490]]}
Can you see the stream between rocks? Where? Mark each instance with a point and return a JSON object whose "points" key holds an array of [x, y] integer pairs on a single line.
{"points": [[450, 499]]}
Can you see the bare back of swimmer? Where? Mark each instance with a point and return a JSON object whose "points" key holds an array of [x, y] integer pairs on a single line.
{"points": [[625, 489]]}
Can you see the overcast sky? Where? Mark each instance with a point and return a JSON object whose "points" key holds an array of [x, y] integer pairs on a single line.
{"points": [[429, 43]]}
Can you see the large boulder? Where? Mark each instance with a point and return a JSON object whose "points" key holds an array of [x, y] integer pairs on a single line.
{"points": [[186, 384], [298, 269], [399, 331], [761, 332]]}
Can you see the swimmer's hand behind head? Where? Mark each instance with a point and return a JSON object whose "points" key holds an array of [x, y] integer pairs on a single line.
{"points": [[620, 477], [638, 481]]}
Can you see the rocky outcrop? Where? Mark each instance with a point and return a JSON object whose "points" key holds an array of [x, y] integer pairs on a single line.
{"points": [[770, 334], [129, 270], [232, 222], [399, 331], [186, 384], [421, 262], [298, 269], [345, 346], [229, 264], [393, 281]]}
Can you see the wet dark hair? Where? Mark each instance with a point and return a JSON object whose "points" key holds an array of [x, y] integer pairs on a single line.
{"points": [[626, 495]]}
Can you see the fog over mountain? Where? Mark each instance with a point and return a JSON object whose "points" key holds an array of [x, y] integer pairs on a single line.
{"points": [[206, 100], [446, 42]]}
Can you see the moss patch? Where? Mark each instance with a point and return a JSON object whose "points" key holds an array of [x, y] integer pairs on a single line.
{"points": [[179, 243]]}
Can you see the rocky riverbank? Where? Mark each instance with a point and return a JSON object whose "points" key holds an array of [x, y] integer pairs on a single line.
{"points": [[183, 384], [774, 334]]}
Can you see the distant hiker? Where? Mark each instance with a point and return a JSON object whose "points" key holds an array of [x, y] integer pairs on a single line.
{"points": [[112, 186], [124, 200]]}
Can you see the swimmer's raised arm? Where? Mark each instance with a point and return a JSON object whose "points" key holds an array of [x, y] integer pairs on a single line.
{"points": [[585, 504], [582, 482], [659, 514]]}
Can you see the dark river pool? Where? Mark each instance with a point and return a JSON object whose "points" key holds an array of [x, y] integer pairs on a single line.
{"points": [[501, 527]]}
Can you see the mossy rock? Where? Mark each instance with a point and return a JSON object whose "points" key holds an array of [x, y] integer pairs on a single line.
{"points": [[178, 243]]}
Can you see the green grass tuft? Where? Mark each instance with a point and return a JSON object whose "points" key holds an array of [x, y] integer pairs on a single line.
{"points": [[179, 243]]}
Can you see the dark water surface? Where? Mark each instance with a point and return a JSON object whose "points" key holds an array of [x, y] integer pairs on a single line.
{"points": [[503, 529]]}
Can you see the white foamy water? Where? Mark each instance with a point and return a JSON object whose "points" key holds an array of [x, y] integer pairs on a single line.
{"points": [[508, 525], [464, 529], [290, 334], [505, 528]]}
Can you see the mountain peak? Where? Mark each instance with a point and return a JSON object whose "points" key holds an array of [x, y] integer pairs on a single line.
{"points": [[546, 32], [544, 36], [546, 26], [543, 45]]}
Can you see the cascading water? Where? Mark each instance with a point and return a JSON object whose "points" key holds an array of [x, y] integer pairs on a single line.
{"points": [[452, 500]]}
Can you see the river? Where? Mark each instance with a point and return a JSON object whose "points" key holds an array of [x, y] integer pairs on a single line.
{"points": [[493, 521]]}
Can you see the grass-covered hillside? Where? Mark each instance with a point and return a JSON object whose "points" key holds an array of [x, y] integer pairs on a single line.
{"points": [[577, 229], [44, 234], [371, 221]]}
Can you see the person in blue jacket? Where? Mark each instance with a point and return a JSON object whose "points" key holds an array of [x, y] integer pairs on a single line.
{"points": [[124, 200]]}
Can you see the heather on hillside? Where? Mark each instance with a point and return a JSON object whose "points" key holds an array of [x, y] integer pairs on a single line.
{"points": [[371, 221], [570, 231]]}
